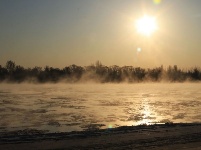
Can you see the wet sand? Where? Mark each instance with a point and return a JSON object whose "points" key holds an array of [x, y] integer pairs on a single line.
{"points": [[159, 136]]}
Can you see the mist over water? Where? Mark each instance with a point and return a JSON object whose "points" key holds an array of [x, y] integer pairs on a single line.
{"points": [[74, 107], [98, 73]]}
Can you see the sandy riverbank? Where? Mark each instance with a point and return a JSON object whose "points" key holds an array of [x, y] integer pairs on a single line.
{"points": [[166, 136]]}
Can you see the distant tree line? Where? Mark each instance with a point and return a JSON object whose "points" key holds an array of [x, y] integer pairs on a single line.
{"points": [[96, 72]]}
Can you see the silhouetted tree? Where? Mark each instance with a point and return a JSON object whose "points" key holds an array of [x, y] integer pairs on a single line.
{"points": [[195, 74], [155, 74], [19, 74], [73, 73], [10, 66], [3, 73]]}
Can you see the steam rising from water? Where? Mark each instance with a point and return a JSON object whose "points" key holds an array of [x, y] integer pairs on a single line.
{"points": [[96, 73], [69, 107]]}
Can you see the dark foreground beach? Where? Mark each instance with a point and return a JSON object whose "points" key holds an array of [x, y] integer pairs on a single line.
{"points": [[159, 136]]}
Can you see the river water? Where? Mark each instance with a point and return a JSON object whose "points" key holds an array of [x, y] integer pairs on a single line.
{"points": [[76, 107]]}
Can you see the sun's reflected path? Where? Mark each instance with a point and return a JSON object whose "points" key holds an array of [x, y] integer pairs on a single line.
{"points": [[146, 112], [65, 108], [142, 112]]}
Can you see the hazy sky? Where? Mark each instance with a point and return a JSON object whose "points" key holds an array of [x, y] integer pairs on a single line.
{"points": [[64, 32]]}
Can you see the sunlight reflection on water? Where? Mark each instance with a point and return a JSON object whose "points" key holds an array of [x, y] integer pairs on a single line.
{"points": [[69, 107]]}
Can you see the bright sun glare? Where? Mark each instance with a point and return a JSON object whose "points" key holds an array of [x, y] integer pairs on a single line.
{"points": [[146, 25]]}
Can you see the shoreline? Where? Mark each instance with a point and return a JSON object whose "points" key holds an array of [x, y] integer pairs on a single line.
{"points": [[156, 136]]}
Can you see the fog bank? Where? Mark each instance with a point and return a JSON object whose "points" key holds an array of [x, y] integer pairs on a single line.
{"points": [[12, 73]]}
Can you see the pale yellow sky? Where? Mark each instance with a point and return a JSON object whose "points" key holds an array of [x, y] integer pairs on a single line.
{"points": [[61, 33]]}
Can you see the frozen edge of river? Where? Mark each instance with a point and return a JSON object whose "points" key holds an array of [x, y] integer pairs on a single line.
{"points": [[125, 137]]}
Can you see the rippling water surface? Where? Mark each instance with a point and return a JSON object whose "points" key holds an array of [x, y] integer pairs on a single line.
{"points": [[75, 107]]}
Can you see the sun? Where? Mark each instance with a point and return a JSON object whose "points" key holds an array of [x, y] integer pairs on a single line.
{"points": [[146, 25]]}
